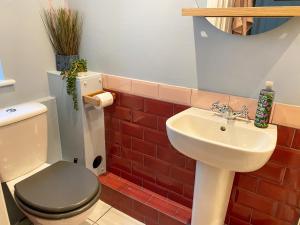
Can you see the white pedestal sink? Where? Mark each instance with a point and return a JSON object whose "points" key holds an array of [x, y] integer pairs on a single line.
{"points": [[221, 148]]}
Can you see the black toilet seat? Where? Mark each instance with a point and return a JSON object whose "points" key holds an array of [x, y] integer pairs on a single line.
{"points": [[62, 190]]}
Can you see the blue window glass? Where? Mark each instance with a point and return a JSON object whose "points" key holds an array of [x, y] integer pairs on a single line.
{"points": [[1, 72]]}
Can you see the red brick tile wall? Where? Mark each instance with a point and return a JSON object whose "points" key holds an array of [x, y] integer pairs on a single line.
{"points": [[139, 151]]}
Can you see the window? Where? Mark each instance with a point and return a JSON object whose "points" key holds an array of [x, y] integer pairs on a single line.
{"points": [[1, 72], [5, 82]]}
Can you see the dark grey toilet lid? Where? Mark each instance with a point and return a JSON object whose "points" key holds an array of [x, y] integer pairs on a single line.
{"points": [[59, 188]]}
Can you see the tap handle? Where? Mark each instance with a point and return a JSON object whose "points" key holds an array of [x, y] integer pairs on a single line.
{"points": [[245, 112], [215, 106]]}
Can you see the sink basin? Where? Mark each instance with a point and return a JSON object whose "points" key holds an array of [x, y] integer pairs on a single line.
{"points": [[233, 145], [221, 148]]}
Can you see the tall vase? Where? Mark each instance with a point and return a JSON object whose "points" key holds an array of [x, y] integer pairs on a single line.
{"points": [[63, 62]]}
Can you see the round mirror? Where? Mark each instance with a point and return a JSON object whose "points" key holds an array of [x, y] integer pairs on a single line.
{"points": [[246, 25]]}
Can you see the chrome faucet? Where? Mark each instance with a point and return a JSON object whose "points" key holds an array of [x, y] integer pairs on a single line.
{"points": [[227, 112]]}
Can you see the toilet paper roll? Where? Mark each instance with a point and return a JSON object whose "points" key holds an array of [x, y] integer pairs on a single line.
{"points": [[106, 99]]}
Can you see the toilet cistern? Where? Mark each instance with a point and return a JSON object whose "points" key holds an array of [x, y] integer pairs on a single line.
{"points": [[238, 147]]}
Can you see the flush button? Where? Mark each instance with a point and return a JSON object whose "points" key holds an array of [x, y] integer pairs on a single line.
{"points": [[11, 110]]}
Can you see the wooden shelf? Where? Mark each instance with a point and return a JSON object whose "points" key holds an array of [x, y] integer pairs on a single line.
{"points": [[278, 11]]}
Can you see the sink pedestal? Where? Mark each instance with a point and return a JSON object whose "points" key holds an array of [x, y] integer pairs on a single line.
{"points": [[211, 194]]}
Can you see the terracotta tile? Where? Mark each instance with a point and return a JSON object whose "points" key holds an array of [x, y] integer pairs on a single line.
{"points": [[286, 157], [155, 188], [112, 181], [169, 183], [144, 119], [241, 212], [188, 191], [263, 219], [255, 201], [180, 108], [161, 124], [121, 113], [115, 150], [134, 179], [174, 94], [132, 101], [126, 141], [292, 178], [145, 89], [157, 166], [115, 124], [238, 102], [273, 191], [287, 115], [190, 164], [293, 198], [296, 141], [121, 163], [182, 175], [132, 129], [285, 136], [166, 220], [136, 193], [131, 155], [236, 221], [143, 172], [162, 205], [204, 99], [180, 199], [115, 138], [247, 182], [271, 171], [145, 210], [184, 214], [117, 83], [156, 137], [288, 213], [171, 156], [158, 107], [143, 147]]}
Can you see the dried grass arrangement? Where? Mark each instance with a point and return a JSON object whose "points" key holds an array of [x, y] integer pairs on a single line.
{"points": [[64, 28]]}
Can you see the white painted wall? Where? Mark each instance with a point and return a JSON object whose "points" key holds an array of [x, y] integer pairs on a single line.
{"points": [[150, 40], [139, 38], [25, 51]]}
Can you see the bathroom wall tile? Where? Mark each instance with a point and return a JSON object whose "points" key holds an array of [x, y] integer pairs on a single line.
{"points": [[185, 176], [143, 172], [255, 201], [156, 137], [180, 108], [163, 205], [145, 119], [170, 93], [169, 183], [271, 172], [159, 108], [161, 124], [241, 212], [147, 211], [236, 221], [296, 141], [170, 155], [204, 99], [144, 147], [117, 83], [131, 101], [247, 182], [188, 191], [288, 213], [259, 218], [286, 157], [180, 199], [285, 136], [273, 191], [145, 89], [157, 166], [238, 102], [132, 129], [287, 115]]}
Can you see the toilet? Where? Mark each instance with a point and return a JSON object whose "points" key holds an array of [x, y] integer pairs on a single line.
{"points": [[63, 193]]}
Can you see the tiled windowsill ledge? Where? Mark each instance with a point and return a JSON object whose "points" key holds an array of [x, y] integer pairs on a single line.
{"points": [[5, 83], [286, 115]]}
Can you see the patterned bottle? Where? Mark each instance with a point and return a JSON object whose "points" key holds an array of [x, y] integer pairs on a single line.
{"points": [[264, 108]]}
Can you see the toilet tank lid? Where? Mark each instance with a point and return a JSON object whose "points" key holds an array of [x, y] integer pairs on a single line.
{"points": [[20, 112]]}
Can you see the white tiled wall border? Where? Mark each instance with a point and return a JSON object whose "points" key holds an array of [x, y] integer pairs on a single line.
{"points": [[282, 114]]}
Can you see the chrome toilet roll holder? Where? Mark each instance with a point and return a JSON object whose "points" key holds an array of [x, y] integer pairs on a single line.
{"points": [[90, 98]]}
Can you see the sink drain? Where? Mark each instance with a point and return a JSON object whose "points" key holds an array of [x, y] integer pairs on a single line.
{"points": [[223, 128]]}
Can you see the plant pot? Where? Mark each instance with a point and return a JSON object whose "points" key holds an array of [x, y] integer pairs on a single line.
{"points": [[63, 62]]}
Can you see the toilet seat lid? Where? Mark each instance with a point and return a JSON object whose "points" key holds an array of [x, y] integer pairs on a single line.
{"points": [[61, 187]]}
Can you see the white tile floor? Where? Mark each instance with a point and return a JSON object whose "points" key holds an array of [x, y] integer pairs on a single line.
{"points": [[104, 214]]}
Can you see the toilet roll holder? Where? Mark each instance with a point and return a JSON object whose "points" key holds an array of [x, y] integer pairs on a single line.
{"points": [[90, 98]]}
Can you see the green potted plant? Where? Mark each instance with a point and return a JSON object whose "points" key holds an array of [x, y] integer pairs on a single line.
{"points": [[64, 29]]}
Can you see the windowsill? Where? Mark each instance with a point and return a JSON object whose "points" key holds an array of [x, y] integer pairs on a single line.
{"points": [[9, 82]]}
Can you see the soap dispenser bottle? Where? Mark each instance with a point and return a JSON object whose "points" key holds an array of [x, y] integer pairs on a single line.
{"points": [[264, 108]]}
